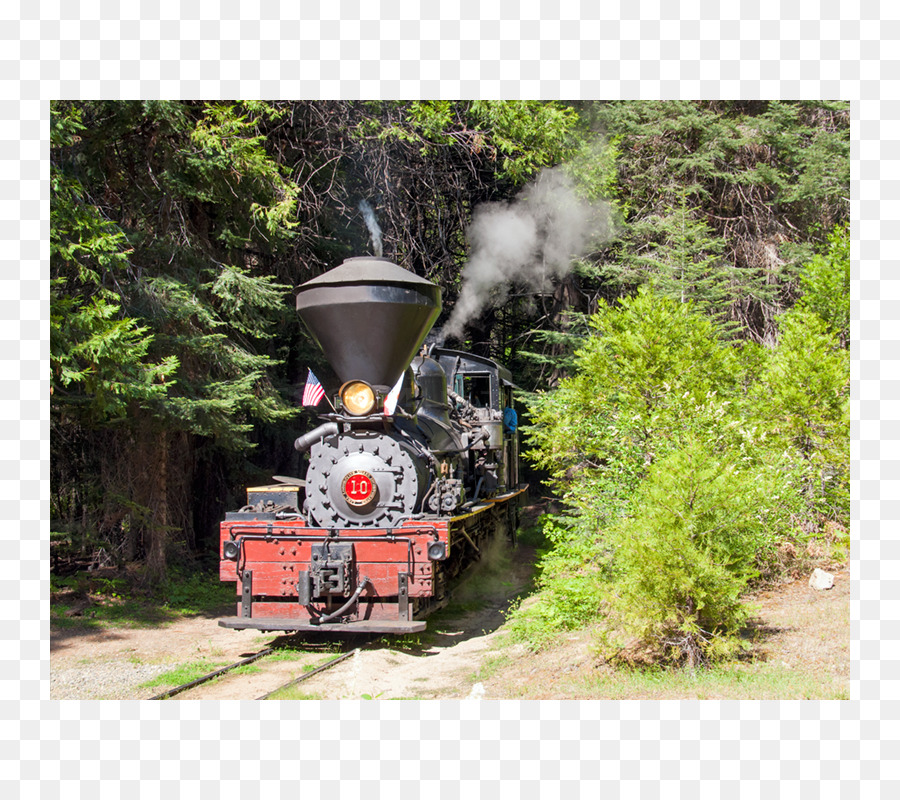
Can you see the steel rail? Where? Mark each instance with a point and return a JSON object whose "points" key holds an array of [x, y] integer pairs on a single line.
{"points": [[208, 677], [309, 674]]}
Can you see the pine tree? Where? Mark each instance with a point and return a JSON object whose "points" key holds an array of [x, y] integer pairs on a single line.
{"points": [[761, 182], [163, 215]]}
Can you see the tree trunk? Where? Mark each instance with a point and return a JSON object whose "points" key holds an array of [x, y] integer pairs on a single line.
{"points": [[566, 298], [157, 457]]}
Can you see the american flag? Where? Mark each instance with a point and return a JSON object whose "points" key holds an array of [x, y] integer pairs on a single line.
{"points": [[390, 402], [313, 391]]}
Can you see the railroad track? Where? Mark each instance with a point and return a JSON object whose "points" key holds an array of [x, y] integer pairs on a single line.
{"points": [[249, 660]]}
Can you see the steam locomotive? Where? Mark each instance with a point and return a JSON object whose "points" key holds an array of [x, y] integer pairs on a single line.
{"points": [[403, 490]]}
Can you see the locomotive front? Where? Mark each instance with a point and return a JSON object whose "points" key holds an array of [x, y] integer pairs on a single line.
{"points": [[400, 492], [370, 317]]}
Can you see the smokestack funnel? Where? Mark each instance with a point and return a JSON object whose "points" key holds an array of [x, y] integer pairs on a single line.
{"points": [[370, 318]]}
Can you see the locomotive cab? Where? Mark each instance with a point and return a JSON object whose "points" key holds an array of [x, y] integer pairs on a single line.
{"points": [[483, 392]]}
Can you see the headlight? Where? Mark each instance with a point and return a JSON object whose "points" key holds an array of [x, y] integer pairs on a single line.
{"points": [[358, 398], [437, 551], [231, 550]]}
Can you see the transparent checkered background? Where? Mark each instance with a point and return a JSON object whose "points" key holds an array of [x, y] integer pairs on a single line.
{"points": [[468, 48]]}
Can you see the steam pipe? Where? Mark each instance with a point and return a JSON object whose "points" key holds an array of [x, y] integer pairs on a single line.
{"points": [[303, 443]]}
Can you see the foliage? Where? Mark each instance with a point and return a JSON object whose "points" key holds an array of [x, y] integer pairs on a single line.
{"points": [[184, 673], [653, 377], [826, 285], [92, 346], [192, 592], [652, 371], [178, 228], [527, 135], [683, 260], [741, 191], [124, 600], [691, 467], [160, 313], [803, 404], [570, 579], [682, 561]]}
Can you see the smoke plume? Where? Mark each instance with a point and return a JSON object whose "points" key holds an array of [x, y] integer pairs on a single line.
{"points": [[372, 225], [526, 242]]}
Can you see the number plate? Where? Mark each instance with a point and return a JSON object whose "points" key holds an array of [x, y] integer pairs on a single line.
{"points": [[358, 488]]}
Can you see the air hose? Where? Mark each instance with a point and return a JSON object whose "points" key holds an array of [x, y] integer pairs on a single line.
{"points": [[344, 608]]}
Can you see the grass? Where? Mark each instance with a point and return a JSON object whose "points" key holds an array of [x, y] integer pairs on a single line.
{"points": [[295, 693], [285, 654], [409, 642], [490, 667], [185, 673], [102, 601], [532, 535], [738, 681]]}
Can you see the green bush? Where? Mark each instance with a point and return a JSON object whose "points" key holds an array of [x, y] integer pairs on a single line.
{"points": [[802, 404], [690, 466], [653, 371], [571, 573], [682, 561]]}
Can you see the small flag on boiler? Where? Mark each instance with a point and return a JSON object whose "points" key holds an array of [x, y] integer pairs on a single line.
{"points": [[390, 402], [313, 391]]}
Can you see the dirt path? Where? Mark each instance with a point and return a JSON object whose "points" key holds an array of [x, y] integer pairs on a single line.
{"points": [[449, 660], [439, 663], [798, 629]]}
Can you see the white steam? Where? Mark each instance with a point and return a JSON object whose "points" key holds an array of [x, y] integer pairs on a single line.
{"points": [[372, 225], [526, 242]]}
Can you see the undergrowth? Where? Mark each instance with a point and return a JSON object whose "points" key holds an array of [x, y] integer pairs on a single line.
{"points": [[118, 598], [185, 673], [730, 681]]}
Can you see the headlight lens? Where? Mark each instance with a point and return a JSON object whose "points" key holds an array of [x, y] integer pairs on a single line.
{"points": [[358, 398]]}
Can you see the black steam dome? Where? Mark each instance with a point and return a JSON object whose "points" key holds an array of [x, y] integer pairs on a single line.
{"points": [[370, 317]]}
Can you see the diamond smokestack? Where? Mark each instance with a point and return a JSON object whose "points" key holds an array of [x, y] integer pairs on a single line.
{"points": [[370, 318]]}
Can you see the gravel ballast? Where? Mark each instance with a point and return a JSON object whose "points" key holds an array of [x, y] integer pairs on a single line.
{"points": [[113, 680]]}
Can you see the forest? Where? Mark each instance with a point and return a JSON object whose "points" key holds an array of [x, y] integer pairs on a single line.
{"points": [[669, 283]]}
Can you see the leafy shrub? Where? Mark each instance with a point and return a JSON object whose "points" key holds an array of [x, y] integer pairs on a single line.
{"points": [[682, 561], [690, 467], [802, 403], [654, 371], [570, 577]]}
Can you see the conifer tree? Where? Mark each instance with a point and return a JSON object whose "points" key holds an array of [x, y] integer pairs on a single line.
{"points": [[762, 183], [162, 305]]}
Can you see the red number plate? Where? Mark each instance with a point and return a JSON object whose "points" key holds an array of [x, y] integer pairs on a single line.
{"points": [[358, 488]]}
